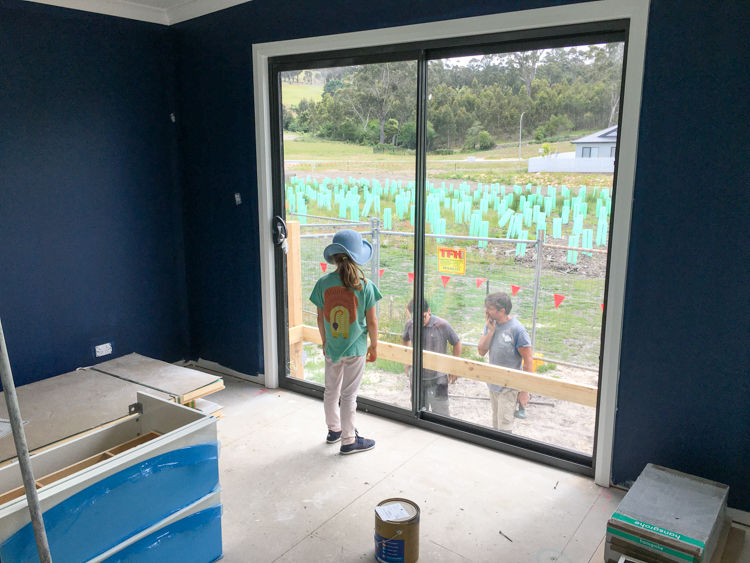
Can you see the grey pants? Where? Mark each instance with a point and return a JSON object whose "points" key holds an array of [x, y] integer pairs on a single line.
{"points": [[435, 396]]}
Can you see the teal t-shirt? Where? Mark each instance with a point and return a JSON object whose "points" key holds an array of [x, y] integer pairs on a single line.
{"points": [[344, 312]]}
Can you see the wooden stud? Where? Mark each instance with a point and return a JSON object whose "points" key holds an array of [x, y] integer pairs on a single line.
{"points": [[130, 444], [294, 296], [79, 466], [75, 468], [295, 334], [480, 371], [217, 385]]}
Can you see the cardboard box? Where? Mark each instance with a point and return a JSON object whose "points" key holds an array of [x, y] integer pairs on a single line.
{"points": [[668, 517], [727, 550]]}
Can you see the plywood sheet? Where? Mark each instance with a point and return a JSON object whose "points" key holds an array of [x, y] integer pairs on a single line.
{"points": [[167, 378], [66, 405]]}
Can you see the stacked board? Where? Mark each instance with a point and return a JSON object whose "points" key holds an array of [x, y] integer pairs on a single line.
{"points": [[667, 517], [67, 405]]}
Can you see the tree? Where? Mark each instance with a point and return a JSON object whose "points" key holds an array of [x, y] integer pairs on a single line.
{"points": [[380, 85], [526, 62], [556, 123], [348, 131], [559, 90], [331, 113], [391, 130], [360, 104], [464, 120], [287, 118], [608, 64], [331, 86], [445, 126], [290, 75], [408, 136]]}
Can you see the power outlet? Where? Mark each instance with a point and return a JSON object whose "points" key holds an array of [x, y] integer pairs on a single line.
{"points": [[103, 349]]}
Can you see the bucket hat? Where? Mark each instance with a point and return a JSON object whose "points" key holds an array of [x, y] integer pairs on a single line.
{"points": [[349, 242]]}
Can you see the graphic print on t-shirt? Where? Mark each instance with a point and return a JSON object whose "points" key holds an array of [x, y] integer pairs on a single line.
{"points": [[340, 310], [505, 342]]}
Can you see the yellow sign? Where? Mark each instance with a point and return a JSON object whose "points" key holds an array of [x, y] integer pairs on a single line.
{"points": [[451, 260]]}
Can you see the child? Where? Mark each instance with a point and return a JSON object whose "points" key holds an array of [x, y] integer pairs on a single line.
{"points": [[346, 314]]}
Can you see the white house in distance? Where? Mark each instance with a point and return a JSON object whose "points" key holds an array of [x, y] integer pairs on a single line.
{"points": [[594, 153], [601, 144]]}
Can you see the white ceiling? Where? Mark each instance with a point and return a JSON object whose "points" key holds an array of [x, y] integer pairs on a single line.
{"points": [[165, 12]]}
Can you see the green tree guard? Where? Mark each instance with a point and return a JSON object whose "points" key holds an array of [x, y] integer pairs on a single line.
{"points": [[557, 228], [572, 254]]}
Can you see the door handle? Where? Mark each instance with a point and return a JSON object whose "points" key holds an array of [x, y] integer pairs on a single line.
{"points": [[278, 231]]}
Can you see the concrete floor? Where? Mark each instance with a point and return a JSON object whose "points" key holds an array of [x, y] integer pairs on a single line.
{"points": [[291, 498]]}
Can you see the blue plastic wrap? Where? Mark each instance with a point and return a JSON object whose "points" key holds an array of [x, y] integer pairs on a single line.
{"points": [[194, 539], [120, 506]]}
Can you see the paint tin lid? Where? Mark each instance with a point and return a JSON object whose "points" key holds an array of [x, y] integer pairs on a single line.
{"points": [[411, 508]]}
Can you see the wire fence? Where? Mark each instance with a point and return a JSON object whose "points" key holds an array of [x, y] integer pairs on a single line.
{"points": [[569, 303]]}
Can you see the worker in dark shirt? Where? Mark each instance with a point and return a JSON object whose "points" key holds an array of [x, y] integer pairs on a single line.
{"points": [[436, 334]]}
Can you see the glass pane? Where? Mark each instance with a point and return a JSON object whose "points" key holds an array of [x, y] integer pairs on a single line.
{"points": [[501, 166], [349, 140]]}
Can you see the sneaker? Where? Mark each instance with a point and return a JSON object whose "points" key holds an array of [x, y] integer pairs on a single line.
{"points": [[333, 437], [360, 445]]}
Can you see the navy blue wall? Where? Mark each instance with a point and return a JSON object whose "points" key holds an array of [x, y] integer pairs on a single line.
{"points": [[90, 207], [684, 388], [684, 393], [216, 127]]}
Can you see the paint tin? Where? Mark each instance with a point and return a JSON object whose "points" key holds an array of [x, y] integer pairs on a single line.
{"points": [[397, 540]]}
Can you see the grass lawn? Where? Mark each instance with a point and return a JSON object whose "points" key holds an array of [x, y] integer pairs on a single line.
{"points": [[488, 168], [306, 148], [291, 94]]}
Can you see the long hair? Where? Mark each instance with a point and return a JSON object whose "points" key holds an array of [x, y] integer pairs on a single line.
{"points": [[351, 275]]}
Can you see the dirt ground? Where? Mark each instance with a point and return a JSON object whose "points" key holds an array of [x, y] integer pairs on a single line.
{"points": [[551, 421]]}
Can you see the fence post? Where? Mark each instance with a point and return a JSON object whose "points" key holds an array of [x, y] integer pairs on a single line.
{"points": [[294, 298], [537, 283]]}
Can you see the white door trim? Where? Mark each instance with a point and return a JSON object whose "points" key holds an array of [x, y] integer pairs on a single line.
{"points": [[634, 10]]}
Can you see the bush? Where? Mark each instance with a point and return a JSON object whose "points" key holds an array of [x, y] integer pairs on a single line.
{"points": [[545, 367], [348, 131], [442, 152], [326, 131], [385, 148], [476, 136], [485, 140]]}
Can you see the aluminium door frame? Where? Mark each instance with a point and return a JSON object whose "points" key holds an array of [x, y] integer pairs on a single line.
{"points": [[636, 12]]}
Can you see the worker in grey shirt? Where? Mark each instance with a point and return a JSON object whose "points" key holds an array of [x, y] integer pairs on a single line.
{"points": [[436, 334], [509, 345]]}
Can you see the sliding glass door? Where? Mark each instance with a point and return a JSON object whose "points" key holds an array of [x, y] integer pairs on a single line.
{"points": [[462, 163]]}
